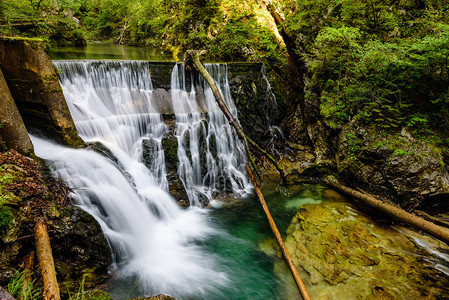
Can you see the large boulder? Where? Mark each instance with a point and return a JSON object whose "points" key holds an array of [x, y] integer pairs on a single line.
{"points": [[342, 254], [401, 168]]}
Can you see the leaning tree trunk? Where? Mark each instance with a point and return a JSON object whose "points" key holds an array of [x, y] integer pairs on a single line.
{"points": [[45, 258], [439, 232], [194, 57], [278, 237]]}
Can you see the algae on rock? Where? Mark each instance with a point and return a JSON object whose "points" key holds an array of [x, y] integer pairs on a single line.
{"points": [[344, 255]]}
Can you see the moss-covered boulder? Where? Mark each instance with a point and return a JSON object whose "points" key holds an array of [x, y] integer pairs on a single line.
{"points": [[406, 169], [342, 254], [176, 187]]}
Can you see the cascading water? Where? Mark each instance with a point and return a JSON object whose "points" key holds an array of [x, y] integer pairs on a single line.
{"points": [[111, 103], [271, 109], [154, 242], [211, 157], [158, 247]]}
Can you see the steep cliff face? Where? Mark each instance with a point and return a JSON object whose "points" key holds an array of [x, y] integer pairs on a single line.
{"points": [[397, 165], [372, 99], [79, 248]]}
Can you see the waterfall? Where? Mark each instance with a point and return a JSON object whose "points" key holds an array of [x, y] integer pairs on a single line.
{"points": [[211, 156], [111, 103], [154, 242], [271, 110]]}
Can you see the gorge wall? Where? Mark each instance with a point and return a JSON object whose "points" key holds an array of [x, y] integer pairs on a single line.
{"points": [[34, 85]]}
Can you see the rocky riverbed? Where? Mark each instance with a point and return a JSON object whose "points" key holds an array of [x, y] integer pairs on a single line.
{"points": [[343, 254]]}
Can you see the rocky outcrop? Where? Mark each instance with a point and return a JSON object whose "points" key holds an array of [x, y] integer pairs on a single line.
{"points": [[78, 246], [256, 104], [12, 129], [341, 255], [34, 85], [398, 167], [170, 146]]}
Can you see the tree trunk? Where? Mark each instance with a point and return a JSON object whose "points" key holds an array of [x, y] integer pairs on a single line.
{"points": [[395, 212], [278, 237], [432, 219], [193, 57], [45, 258]]}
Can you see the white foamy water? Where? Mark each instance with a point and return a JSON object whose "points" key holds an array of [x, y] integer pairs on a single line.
{"points": [[212, 158], [154, 242]]}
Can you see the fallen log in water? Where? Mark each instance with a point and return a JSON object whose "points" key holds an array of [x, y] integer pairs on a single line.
{"points": [[434, 230], [193, 56], [278, 237]]}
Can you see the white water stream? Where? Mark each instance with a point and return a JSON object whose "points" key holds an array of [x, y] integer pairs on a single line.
{"points": [[154, 241], [217, 157]]}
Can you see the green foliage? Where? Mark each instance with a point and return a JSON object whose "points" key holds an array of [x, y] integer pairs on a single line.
{"points": [[21, 287], [399, 152], [51, 21], [380, 63], [6, 214], [229, 30], [81, 294], [354, 145], [5, 218]]}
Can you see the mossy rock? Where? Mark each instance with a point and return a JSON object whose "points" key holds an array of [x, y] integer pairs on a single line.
{"points": [[170, 146], [342, 254], [95, 294]]}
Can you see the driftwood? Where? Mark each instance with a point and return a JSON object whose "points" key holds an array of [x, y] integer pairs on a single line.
{"points": [[434, 230], [45, 258], [193, 57]]}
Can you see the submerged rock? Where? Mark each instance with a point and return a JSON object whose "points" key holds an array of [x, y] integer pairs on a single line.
{"points": [[342, 254]]}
